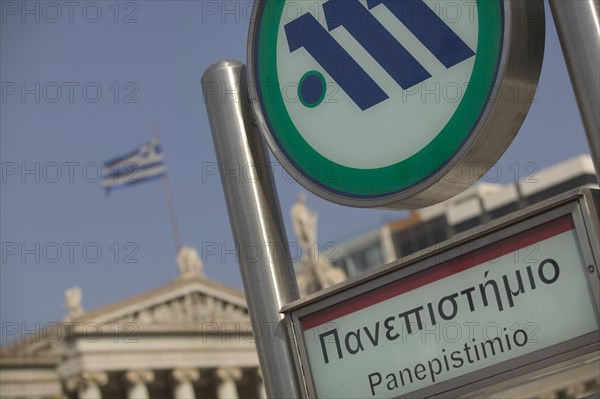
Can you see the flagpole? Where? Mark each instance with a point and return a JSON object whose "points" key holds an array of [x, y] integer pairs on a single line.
{"points": [[170, 202], [172, 214]]}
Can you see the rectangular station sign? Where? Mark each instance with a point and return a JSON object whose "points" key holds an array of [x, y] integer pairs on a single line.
{"points": [[522, 292]]}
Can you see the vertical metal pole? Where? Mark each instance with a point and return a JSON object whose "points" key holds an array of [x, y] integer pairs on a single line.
{"points": [[255, 217], [578, 26]]}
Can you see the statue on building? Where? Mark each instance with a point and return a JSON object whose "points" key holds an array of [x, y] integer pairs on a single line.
{"points": [[189, 262], [313, 273], [73, 298], [304, 222]]}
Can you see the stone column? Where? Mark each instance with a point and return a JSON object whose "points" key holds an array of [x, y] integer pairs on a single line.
{"points": [[577, 390], [261, 393], [226, 385], [184, 383], [137, 381], [87, 384]]}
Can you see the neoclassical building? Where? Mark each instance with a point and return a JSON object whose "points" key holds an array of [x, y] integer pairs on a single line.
{"points": [[188, 339], [191, 338]]}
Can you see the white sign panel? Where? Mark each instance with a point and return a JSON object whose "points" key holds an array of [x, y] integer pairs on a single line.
{"points": [[516, 296]]}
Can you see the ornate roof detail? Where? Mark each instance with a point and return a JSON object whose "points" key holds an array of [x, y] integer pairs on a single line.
{"points": [[183, 301], [192, 307]]}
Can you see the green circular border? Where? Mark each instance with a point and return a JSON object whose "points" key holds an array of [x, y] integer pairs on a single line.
{"points": [[392, 179], [322, 79]]}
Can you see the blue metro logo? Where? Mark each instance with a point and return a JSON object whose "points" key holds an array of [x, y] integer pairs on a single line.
{"points": [[306, 32]]}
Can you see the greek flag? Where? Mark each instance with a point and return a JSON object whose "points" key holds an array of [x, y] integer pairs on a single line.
{"points": [[145, 163]]}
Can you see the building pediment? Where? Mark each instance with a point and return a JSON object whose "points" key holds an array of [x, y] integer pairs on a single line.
{"points": [[180, 304]]}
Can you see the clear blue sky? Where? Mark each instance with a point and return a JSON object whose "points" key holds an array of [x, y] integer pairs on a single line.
{"points": [[156, 59]]}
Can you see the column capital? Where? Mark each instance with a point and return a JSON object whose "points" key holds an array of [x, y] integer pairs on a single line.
{"points": [[185, 375], [86, 378], [227, 382], [229, 374], [139, 376]]}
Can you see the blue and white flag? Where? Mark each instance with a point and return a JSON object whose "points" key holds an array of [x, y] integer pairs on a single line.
{"points": [[143, 164]]}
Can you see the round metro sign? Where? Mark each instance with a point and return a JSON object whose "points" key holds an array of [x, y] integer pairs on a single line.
{"points": [[392, 103]]}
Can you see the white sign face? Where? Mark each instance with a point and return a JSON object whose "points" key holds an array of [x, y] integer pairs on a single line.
{"points": [[519, 295], [369, 102], [340, 116]]}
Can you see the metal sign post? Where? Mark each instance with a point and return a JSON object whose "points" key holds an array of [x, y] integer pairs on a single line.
{"points": [[256, 221], [578, 27]]}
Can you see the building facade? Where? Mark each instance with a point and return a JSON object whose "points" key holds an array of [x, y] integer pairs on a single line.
{"points": [[191, 338], [475, 206]]}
